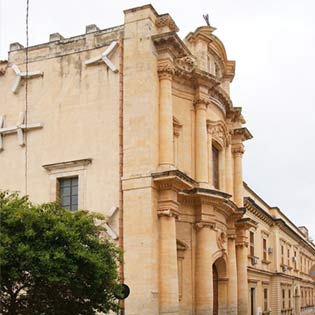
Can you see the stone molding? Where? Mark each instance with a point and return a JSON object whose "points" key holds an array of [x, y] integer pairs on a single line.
{"points": [[168, 213], [203, 224]]}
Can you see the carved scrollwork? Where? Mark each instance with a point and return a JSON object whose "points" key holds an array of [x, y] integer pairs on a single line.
{"points": [[238, 148], [168, 213], [166, 70], [219, 132], [166, 20], [201, 224], [186, 64]]}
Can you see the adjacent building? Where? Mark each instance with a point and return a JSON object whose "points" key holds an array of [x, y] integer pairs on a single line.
{"points": [[137, 123]]}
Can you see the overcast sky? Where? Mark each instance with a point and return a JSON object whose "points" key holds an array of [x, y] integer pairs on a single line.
{"points": [[273, 43]]}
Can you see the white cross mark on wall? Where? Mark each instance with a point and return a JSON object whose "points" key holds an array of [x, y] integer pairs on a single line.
{"points": [[20, 129], [23, 75], [105, 57], [108, 228]]}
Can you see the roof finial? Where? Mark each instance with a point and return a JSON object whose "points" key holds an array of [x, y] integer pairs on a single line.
{"points": [[206, 17]]}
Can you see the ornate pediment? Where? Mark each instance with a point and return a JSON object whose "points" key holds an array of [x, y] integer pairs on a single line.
{"points": [[186, 63], [219, 132]]}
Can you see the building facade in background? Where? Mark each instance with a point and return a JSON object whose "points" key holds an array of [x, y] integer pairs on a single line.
{"points": [[133, 121]]}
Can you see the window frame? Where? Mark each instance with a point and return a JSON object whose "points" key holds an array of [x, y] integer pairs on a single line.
{"points": [[71, 206], [68, 169]]}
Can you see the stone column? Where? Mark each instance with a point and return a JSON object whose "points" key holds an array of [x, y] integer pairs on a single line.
{"points": [[201, 142], [205, 237], [242, 281], [210, 162], [238, 150], [232, 284], [229, 170], [168, 274], [166, 71]]}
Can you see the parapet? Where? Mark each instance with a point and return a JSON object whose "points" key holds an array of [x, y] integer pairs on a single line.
{"points": [[58, 46]]}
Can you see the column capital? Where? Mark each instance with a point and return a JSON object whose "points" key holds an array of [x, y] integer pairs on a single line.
{"points": [[238, 148], [166, 70], [171, 213], [203, 224], [201, 103]]}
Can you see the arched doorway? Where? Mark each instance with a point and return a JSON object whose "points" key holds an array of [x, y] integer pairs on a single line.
{"points": [[215, 290], [297, 301], [219, 287]]}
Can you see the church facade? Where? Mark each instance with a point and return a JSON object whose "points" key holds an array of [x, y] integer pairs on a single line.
{"points": [[138, 124]]}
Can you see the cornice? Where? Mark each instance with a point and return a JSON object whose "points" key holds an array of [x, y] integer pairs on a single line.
{"points": [[166, 20], [218, 93], [67, 164], [252, 207], [173, 179], [171, 43], [243, 133], [215, 198]]}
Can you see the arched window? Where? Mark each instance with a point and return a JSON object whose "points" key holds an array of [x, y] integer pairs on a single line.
{"points": [[215, 167]]}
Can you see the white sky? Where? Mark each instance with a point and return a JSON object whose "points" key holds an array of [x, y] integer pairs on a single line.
{"points": [[273, 43]]}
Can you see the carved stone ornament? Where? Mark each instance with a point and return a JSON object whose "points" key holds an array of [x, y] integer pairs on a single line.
{"points": [[3, 66], [186, 63], [219, 132], [238, 148], [166, 20], [210, 225], [166, 70], [221, 239], [168, 213]]}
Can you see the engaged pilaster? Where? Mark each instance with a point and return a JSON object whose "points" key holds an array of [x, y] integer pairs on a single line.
{"points": [[201, 103], [168, 184], [205, 236], [232, 284], [241, 262], [166, 71], [238, 150]]}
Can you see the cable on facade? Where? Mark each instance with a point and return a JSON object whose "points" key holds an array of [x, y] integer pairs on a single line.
{"points": [[26, 95]]}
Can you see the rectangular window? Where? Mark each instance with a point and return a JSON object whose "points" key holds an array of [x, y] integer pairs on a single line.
{"points": [[289, 297], [264, 249], [295, 261], [265, 300], [283, 299], [252, 244], [215, 167], [288, 256], [282, 255], [68, 192]]}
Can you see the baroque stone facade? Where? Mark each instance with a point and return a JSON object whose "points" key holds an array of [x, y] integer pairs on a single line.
{"points": [[140, 124]]}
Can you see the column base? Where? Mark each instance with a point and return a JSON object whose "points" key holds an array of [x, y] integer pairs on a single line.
{"points": [[169, 310], [205, 185], [204, 310], [166, 167]]}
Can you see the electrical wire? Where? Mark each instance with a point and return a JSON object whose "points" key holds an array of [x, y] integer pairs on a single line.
{"points": [[26, 96]]}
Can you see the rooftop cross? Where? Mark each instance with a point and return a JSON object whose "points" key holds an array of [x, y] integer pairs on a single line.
{"points": [[22, 75], [104, 57], [206, 17], [19, 128]]}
